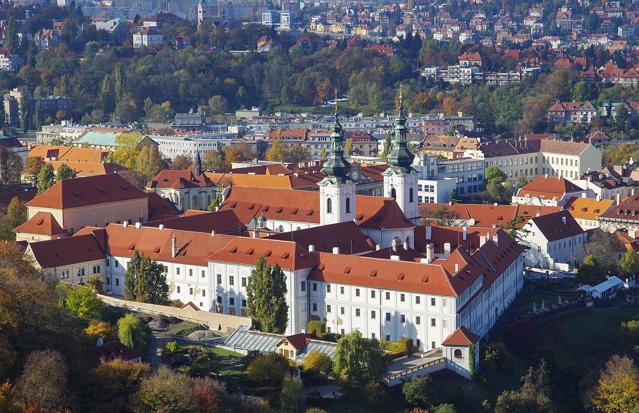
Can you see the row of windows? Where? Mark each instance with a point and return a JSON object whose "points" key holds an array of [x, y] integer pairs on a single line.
{"points": [[402, 296], [388, 316]]}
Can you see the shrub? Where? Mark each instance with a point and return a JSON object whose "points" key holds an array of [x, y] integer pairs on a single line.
{"points": [[418, 392], [83, 303], [133, 333], [374, 393], [403, 347], [316, 328], [104, 329], [317, 362], [268, 369], [496, 356], [172, 346], [184, 328]]}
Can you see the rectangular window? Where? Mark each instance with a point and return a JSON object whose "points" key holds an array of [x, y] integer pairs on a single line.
{"points": [[445, 323], [328, 308], [231, 301], [243, 303], [403, 318], [314, 307], [402, 297], [303, 285], [372, 293], [243, 281], [418, 300], [203, 293], [219, 278], [177, 270], [433, 322], [328, 288], [117, 281], [219, 299], [357, 312], [231, 280], [357, 292], [314, 286], [190, 272], [178, 289], [373, 315], [117, 264], [341, 290], [432, 301], [388, 315], [341, 310], [190, 291], [387, 295], [418, 320], [203, 274]]}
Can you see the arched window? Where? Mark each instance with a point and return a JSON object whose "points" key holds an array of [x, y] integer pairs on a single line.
{"points": [[348, 205], [281, 228], [393, 193], [408, 242], [410, 195], [329, 206], [458, 354]]}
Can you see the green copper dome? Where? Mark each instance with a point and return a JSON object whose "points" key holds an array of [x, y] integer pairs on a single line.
{"points": [[335, 166], [400, 157]]}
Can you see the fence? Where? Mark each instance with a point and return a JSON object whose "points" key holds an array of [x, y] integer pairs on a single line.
{"points": [[214, 321]]}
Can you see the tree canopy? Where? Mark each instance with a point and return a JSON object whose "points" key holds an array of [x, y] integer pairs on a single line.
{"points": [[266, 297], [145, 280], [358, 360]]}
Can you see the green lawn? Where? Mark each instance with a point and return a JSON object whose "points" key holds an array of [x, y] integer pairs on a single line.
{"points": [[549, 293]]}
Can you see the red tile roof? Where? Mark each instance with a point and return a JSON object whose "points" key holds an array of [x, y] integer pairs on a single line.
{"points": [[66, 251], [222, 222], [548, 187], [42, 223], [178, 179], [287, 254], [90, 190], [488, 215], [553, 227], [461, 337], [347, 236]]}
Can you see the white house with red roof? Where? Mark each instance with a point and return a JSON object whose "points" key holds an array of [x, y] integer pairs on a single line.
{"points": [[183, 188], [548, 191]]}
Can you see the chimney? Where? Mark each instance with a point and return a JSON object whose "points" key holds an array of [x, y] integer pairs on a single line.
{"points": [[598, 198], [465, 229], [447, 249], [138, 225], [429, 231], [335, 250], [394, 257], [563, 219], [482, 240], [618, 199], [161, 226], [173, 246], [430, 252], [423, 261], [212, 232], [583, 194], [311, 248], [125, 224]]}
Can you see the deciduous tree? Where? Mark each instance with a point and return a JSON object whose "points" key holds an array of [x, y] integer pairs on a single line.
{"points": [[32, 168], [266, 297], [617, 390], [268, 369], [165, 392], [64, 172], [133, 333], [629, 263], [533, 396], [145, 281], [358, 360], [182, 162], [44, 380], [46, 178], [83, 303], [10, 167]]}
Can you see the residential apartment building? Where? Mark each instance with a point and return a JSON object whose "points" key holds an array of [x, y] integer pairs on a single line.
{"points": [[436, 176], [532, 158]]}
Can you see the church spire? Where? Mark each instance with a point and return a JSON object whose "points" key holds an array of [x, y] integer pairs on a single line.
{"points": [[198, 164], [400, 157], [336, 166]]}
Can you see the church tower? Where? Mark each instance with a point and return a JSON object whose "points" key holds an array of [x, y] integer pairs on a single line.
{"points": [[400, 179], [337, 190], [201, 13]]}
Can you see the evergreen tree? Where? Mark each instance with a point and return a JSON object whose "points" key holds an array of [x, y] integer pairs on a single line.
{"points": [[145, 281], [266, 297], [46, 178], [64, 172]]}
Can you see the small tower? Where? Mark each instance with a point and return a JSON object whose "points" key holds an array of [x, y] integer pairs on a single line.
{"points": [[202, 14], [337, 190], [400, 179]]}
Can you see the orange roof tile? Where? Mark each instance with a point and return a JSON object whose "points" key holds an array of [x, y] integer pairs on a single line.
{"points": [[66, 251], [42, 223], [548, 187], [287, 254], [588, 208], [461, 337], [91, 190]]}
